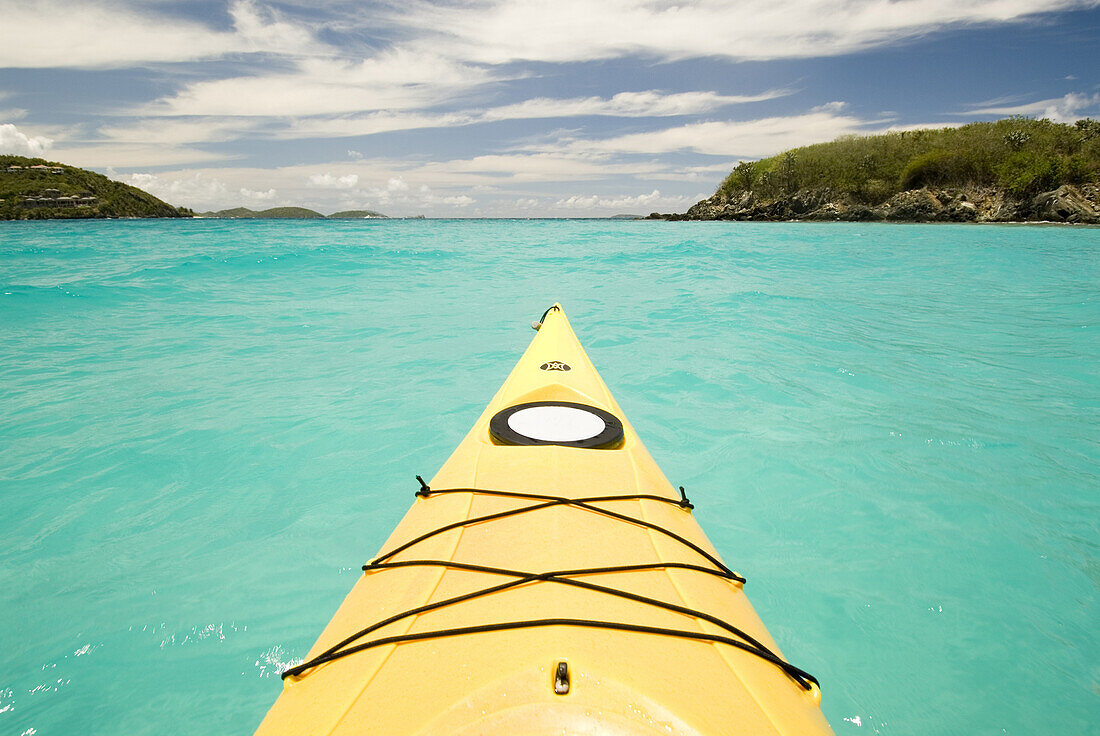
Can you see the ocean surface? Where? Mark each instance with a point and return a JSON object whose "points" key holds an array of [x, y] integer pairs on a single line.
{"points": [[206, 427]]}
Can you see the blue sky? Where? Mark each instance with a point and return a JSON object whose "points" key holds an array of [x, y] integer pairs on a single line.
{"points": [[509, 107]]}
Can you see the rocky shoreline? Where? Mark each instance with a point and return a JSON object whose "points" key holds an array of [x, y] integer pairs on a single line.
{"points": [[1069, 204]]}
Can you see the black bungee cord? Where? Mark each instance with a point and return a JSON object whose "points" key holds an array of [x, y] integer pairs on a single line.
{"points": [[744, 641]]}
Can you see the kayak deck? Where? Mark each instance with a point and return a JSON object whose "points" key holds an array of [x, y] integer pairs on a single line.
{"points": [[547, 588]]}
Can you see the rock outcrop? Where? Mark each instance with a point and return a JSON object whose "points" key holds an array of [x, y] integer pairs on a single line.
{"points": [[1067, 204], [958, 204]]}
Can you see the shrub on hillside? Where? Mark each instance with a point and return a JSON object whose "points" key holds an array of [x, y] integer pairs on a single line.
{"points": [[1018, 153], [934, 168], [1076, 170], [875, 191], [742, 178], [1026, 173]]}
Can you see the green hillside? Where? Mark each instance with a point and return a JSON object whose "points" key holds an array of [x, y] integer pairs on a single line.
{"points": [[356, 215], [235, 212], [1020, 155], [291, 213], [294, 213], [36, 189]]}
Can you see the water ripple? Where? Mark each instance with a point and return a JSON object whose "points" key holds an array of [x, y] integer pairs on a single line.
{"points": [[891, 430]]}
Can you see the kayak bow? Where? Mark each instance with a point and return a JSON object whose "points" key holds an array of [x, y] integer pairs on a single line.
{"points": [[549, 580]]}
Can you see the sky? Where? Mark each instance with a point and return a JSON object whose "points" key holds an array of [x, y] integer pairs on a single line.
{"points": [[509, 108]]}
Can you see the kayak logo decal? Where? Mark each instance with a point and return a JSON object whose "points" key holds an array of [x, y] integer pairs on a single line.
{"points": [[554, 365]]}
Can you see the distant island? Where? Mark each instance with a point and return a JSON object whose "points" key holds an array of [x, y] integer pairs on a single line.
{"points": [[1012, 170], [36, 189], [297, 213]]}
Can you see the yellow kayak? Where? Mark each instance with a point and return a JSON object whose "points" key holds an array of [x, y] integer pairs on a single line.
{"points": [[547, 580]]}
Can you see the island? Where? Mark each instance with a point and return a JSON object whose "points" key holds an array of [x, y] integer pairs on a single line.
{"points": [[36, 189], [295, 213], [1012, 170], [357, 215]]}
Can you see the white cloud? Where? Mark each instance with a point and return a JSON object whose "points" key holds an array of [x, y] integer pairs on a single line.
{"points": [[593, 201], [15, 142], [153, 142], [265, 30], [460, 200], [834, 106], [180, 131], [348, 126], [559, 165], [1066, 109], [397, 190], [190, 189], [116, 33], [398, 79], [127, 156], [708, 173], [328, 181], [448, 52], [197, 190], [595, 205], [11, 113], [650, 103], [499, 31], [52, 33], [257, 196], [732, 139], [447, 55], [745, 139]]}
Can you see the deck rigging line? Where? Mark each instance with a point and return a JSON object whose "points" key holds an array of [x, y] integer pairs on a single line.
{"points": [[744, 641]]}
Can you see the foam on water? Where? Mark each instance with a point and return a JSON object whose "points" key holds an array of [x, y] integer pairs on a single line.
{"points": [[892, 431]]}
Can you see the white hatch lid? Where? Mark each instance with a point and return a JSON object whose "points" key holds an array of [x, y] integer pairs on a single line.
{"points": [[556, 423]]}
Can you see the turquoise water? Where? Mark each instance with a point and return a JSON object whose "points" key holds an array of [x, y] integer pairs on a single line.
{"points": [[207, 427]]}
